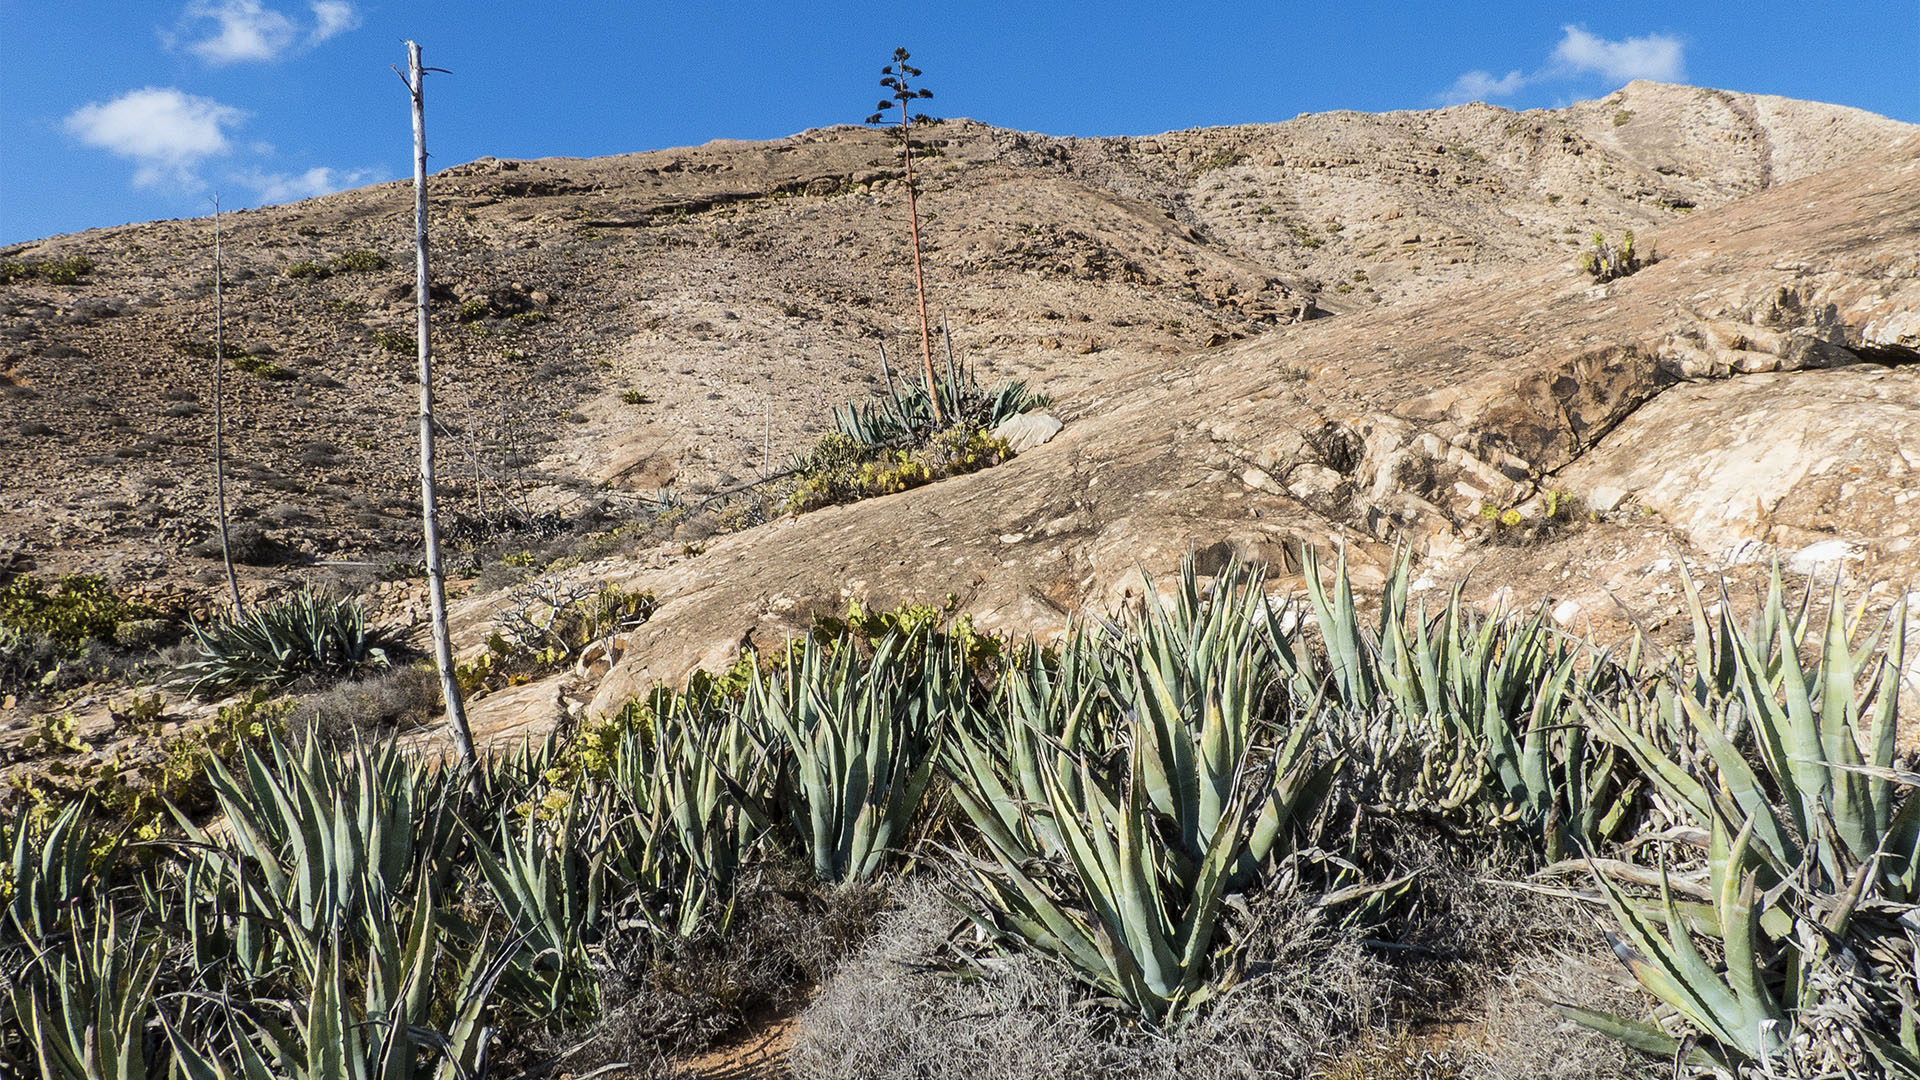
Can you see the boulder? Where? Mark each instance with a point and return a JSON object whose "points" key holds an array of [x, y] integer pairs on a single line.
{"points": [[1028, 430]]}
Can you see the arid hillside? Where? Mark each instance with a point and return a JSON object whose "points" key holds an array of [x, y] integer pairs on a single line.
{"points": [[683, 319], [1460, 446]]}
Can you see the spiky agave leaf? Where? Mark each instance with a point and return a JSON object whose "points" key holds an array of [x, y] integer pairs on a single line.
{"points": [[1119, 806], [857, 745], [84, 1010], [50, 870]]}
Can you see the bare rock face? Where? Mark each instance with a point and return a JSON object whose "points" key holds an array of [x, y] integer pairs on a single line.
{"points": [[1776, 464], [1404, 426], [1028, 430]]}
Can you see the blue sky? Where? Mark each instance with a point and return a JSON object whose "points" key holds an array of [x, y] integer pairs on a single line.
{"points": [[115, 111]]}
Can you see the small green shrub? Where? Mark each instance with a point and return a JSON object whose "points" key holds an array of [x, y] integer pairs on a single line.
{"points": [[261, 368], [473, 308], [28, 659], [839, 470], [396, 343], [1607, 262], [1219, 159], [359, 262], [68, 271], [307, 268], [78, 608]]}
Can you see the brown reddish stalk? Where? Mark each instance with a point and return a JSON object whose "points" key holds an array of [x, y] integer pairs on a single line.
{"points": [[919, 278]]}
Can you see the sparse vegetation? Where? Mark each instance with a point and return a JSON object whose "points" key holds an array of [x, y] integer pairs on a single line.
{"points": [[896, 443], [360, 261], [1219, 159], [262, 368], [394, 342], [1607, 261], [68, 271]]}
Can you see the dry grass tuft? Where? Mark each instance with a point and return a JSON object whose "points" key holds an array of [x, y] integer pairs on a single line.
{"points": [[1525, 1039], [370, 707]]}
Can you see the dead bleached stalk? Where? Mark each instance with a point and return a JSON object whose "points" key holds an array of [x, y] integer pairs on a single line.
{"points": [[219, 407], [436, 575]]}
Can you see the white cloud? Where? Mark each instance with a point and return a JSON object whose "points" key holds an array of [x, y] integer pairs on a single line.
{"points": [[1580, 53], [1656, 56], [239, 31], [1481, 86], [243, 31], [165, 132], [332, 18], [289, 187]]}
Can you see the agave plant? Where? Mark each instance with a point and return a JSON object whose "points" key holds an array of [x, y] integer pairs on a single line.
{"points": [[378, 1037], [1487, 709], [84, 1013], [906, 415], [301, 635], [50, 871], [692, 786], [1795, 762], [318, 846], [548, 878], [1115, 826], [856, 745]]}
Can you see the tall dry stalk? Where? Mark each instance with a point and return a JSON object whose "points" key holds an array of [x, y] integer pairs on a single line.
{"points": [[436, 575], [219, 407]]}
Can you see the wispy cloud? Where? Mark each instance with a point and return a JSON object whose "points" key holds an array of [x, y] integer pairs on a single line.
{"points": [[1580, 53], [289, 187], [242, 31], [246, 31], [165, 132], [332, 18], [1482, 86]]}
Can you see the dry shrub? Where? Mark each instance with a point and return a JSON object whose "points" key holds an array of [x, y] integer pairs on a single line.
{"points": [[896, 1010], [1454, 982], [1527, 1040], [395, 698], [672, 998]]}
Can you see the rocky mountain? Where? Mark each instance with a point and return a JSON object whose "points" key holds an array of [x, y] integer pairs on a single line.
{"points": [[1369, 329]]}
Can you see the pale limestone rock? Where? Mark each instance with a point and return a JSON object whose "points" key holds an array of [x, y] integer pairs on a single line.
{"points": [[1605, 498], [1028, 430]]}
